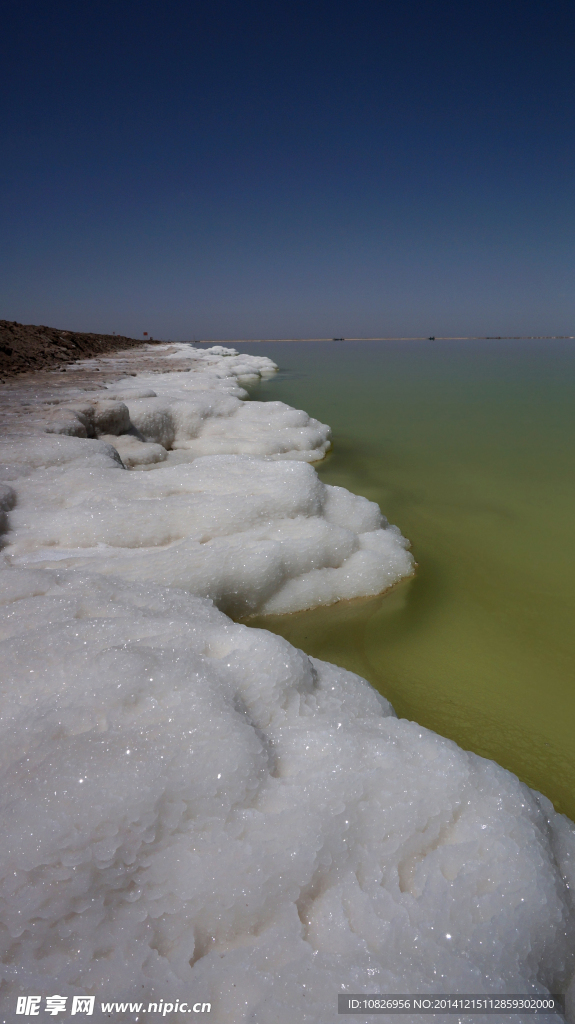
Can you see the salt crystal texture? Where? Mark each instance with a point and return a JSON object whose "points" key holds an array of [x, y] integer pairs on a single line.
{"points": [[192, 808]]}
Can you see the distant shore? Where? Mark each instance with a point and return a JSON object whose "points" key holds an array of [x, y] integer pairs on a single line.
{"points": [[27, 347]]}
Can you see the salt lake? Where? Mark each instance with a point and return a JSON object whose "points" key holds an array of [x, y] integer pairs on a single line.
{"points": [[468, 448]]}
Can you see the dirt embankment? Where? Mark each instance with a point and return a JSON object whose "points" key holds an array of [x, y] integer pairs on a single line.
{"points": [[28, 347]]}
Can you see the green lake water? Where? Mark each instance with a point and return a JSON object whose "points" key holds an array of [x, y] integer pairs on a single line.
{"points": [[467, 447]]}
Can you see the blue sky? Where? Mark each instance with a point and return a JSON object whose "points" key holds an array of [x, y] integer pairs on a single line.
{"points": [[236, 170]]}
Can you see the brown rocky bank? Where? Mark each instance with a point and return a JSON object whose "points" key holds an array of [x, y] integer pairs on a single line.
{"points": [[25, 347]]}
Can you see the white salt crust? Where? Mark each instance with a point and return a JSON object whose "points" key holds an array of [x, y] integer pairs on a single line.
{"points": [[199, 414], [194, 809], [254, 534]]}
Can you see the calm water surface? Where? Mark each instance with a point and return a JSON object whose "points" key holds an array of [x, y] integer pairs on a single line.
{"points": [[467, 446]]}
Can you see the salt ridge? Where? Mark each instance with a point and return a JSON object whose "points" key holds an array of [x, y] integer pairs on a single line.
{"points": [[194, 807]]}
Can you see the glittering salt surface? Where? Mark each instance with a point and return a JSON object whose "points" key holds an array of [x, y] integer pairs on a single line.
{"points": [[193, 807]]}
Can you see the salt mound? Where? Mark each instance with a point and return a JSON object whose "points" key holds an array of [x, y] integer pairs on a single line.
{"points": [[192, 806], [254, 536], [220, 350], [201, 413]]}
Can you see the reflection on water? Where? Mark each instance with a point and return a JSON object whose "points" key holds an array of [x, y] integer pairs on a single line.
{"points": [[468, 448]]}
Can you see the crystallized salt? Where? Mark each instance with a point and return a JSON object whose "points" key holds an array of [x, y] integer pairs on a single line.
{"points": [[194, 809]]}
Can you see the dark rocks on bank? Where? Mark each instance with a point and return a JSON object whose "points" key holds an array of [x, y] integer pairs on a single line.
{"points": [[25, 347]]}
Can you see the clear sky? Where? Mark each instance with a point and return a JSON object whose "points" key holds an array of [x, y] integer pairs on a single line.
{"points": [[245, 169]]}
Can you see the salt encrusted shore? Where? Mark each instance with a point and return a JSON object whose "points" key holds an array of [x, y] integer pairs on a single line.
{"points": [[192, 807]]}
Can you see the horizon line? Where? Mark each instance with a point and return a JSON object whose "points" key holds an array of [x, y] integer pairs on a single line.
{"points": [[437, 337]]}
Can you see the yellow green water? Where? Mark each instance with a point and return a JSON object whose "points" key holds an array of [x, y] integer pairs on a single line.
{"points": [[468, 448]]}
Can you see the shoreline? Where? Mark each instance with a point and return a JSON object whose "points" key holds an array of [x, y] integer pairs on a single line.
{"points": [[196, 796]]}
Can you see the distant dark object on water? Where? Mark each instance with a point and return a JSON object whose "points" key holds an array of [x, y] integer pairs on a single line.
{"points": [[432, 338], [338, 339]]}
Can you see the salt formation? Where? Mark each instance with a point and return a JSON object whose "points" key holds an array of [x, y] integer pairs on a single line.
{"points": [[254, 534], [200, 414], [194, 809]]}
